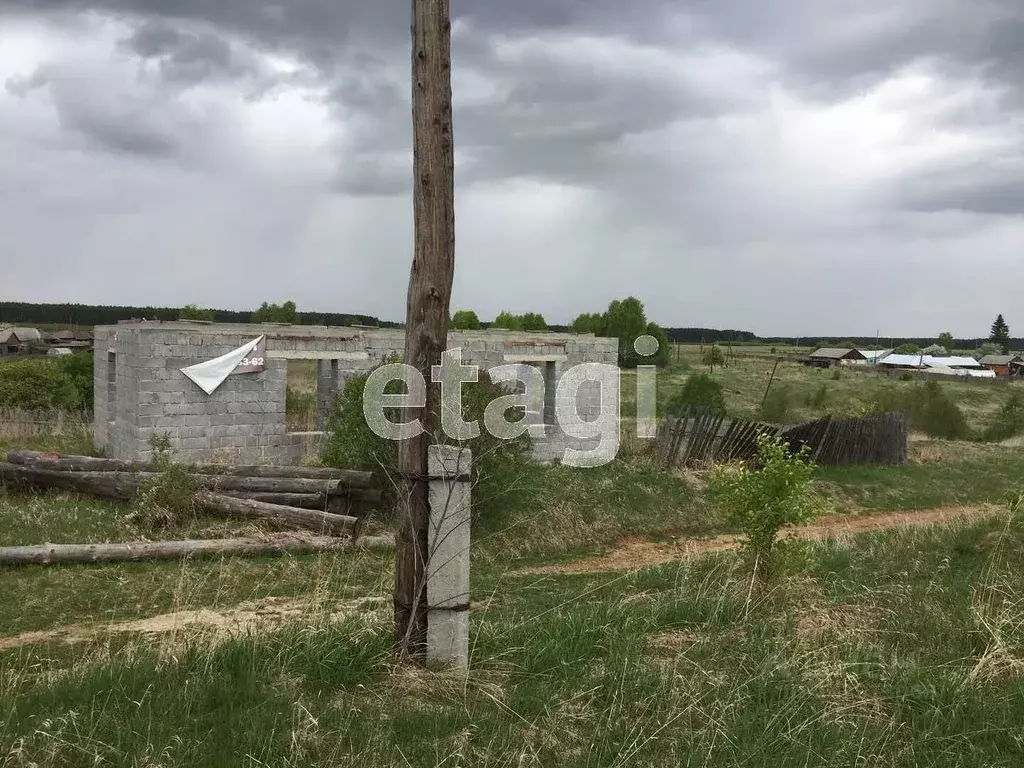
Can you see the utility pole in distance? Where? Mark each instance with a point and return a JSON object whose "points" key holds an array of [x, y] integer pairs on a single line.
{"points": [[430, 287]]}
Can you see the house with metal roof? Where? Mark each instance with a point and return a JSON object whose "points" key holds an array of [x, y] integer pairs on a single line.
{"points": [[828, 357], [920, 362], [1000, 364]]}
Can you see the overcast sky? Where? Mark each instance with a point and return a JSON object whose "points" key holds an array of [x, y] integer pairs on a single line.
{"points": [[782, 166]]}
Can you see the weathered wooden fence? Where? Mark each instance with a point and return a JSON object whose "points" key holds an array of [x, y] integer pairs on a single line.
{"points": [[16, 424], [698, 438], [879, 439]]}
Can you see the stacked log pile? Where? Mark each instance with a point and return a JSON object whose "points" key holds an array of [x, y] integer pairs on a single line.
{"points": [[328, 502]]}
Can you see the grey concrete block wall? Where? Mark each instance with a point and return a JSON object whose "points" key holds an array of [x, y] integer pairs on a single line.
{"points": [[243, 421]]}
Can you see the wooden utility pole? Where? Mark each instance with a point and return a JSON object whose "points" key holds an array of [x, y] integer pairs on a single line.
{"points": [[770, 380], [430, 287]]}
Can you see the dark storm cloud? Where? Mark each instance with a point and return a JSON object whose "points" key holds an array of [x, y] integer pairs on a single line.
{"points": [[829, 49], [189, 57], [552, 115], [833, 43], [325, 23], [696, 138]]}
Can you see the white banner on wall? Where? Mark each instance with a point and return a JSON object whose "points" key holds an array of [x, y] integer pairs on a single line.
{"points": [[249, 358]]}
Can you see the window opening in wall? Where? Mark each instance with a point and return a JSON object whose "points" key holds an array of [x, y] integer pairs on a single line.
{"points": [[327, 383], [550, 390], [300, 396], [111, 387]]}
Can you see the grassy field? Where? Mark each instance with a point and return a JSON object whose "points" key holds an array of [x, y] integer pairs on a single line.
{"points": [[898, 648], [902, 648]]}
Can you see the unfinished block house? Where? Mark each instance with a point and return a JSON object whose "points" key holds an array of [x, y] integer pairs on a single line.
{"points": [[141, 390]]}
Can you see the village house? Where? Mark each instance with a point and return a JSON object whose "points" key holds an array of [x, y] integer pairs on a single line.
{"points": [[74, 340], [1002, 365], [829, 357], [19, 341]]}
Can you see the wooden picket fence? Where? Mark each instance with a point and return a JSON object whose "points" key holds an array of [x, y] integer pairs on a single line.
{"points": [[16, 424], [699, 438], [877, 440]]}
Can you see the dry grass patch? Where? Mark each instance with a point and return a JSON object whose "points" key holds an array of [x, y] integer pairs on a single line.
{"points": [[213, 625]]}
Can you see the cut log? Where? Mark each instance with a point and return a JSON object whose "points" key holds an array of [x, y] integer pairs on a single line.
{"points": [[348, 477], [300, 500], [124, 485], [320, 522], [70, 463], [337, 502], [106, 485], [278, 544]]}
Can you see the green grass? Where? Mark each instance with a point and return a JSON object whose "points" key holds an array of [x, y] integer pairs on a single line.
{"points": [[898, 649], [989, 476], [540, 511], [75, 440], [903, 648]]}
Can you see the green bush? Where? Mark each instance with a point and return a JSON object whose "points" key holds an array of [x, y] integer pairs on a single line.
{"points": [[464, 320], [908, 348], [78, 369], [713, 356], [1009, 421], [929, 409], [760, 501], [701, 390], [351, 444], [777, 404], [44, 383], [817, 398], [167, 499], [837, 375]]}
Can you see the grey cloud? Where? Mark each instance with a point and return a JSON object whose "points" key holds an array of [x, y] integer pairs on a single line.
{"points": [[324, 24], [188, 57], [823, 43], [154, 38], [838, 49], [22, 85], [991, 190], [664, 178], [548, 119], [375, 176], [123, 133], [116, 122]]}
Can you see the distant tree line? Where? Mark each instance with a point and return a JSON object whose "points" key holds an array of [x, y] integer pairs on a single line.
{"points": [[27, 313], [709, 336], [24, 313]]}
